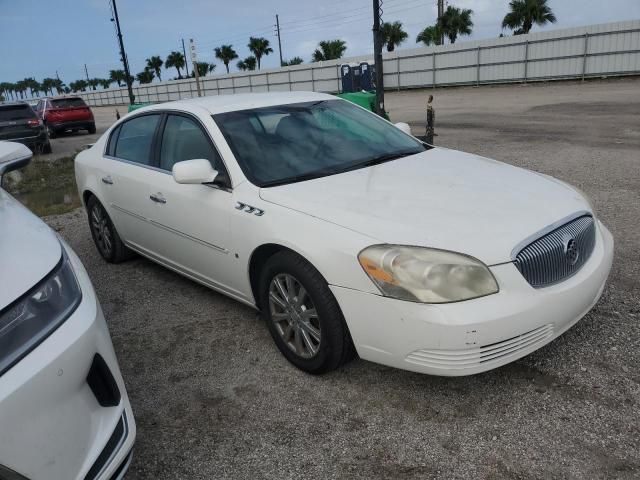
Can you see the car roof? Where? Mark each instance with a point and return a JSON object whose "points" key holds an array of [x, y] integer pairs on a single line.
{"points": [[13, 104], [240, 101]]}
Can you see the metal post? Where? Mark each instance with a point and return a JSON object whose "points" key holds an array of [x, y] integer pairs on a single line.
{"points": [[526, 61], [584, 58], [186, 61], [398, 70], [86, 72], [478, 67], [194, 62], [233, 85], [267, 76], [433, 70], [279, 43], [377, 56], [123, 55], [313, 86], [440, 14], [289, 79], [250, 84]]}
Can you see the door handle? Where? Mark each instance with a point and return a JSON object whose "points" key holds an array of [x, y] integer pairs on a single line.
{"points": [[108, 180], [158, 198]]}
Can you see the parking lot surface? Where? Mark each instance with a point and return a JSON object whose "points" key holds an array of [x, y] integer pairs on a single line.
{"points": [[213, 397]]}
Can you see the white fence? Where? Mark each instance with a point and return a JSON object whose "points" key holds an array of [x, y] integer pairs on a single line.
{"points": [[591, 51]]}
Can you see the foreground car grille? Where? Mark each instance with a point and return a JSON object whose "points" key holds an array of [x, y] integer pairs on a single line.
{"points": [[469, 358], [559, 254]]}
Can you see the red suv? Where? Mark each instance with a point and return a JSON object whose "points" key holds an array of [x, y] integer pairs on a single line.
{"points": [[65, 113]]}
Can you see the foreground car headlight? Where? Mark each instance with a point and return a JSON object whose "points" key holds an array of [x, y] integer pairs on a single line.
{"points": [[34, 316], [426, 275]]}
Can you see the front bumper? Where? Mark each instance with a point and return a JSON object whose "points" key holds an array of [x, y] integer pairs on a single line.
{"points": [[474, 336], [53, 427]]}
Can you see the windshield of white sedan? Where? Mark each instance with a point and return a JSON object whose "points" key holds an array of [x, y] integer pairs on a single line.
{"points": [[300, 141]]}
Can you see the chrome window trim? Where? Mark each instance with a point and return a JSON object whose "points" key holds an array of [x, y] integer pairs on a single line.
{"points": [[546, 230], [161, 112]]}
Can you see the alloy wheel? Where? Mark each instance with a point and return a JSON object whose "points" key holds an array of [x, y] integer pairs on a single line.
{"points": [[294, 315], [101, 230]]}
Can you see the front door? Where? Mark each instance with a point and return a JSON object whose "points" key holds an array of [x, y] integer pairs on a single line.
{"points": [[191, 222]]}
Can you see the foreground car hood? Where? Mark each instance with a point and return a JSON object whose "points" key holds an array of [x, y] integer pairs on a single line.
{"points": [[440, 198], [29, 249]]}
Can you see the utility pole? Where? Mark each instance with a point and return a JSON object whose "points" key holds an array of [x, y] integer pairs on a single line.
{"points": [[377, 57], [278, 34], [123, 55], [194, 63], [57, 76], [186, 62], [86, 72], [440, 14]]}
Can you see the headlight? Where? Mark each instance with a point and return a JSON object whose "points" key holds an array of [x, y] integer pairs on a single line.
{"points": [[34, 316], [426, 275]]}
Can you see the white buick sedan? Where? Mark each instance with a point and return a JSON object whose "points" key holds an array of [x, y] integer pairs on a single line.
{"points": [[346, 232], [64, 411]]}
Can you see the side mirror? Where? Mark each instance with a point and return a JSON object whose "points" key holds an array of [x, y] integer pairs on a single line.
{"points": [[13, 156], [194, 172], [404, 127]]}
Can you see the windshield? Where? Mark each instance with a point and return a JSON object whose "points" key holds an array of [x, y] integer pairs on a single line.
{"points": [[295, 142], [16, 112], [68, 103]]}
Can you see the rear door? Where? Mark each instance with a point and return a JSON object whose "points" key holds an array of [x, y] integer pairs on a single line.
{"points": [[17, 121], [125, 174]]}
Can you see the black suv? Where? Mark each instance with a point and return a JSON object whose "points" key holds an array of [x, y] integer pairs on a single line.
{"points": [[19, 123]]}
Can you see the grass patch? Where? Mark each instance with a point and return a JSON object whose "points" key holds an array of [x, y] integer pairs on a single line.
{"points": [[45, 187]]}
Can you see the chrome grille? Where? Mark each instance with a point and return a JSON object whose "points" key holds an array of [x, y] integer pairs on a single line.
{"points": [[559, 254]]}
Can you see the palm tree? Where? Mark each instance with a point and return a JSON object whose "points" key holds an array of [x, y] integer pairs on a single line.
{"points": [[47, 85], [117, 76], [524, 13], [93, 83], [226, 53], [79, 85], [155, 65], [393, 35], [31, 84], [248, 63], [59, 86], [430, 35], [145, 76], [175, 59], [105, 83], [456, 21], [329, 50], [203, 68], [293, 61], [259, 46]]}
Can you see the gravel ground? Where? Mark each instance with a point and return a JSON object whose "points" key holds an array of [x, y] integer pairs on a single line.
{"points": [[213, 398]]}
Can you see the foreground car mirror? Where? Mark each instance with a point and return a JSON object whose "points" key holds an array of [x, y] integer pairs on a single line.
{"points": [[194, 171], [13, 156], [404, 127]]}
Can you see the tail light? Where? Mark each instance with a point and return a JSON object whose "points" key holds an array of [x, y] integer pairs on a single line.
{"points": [[34, 122]]}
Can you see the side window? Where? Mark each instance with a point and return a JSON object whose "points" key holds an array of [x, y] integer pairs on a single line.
{"points": [[183, 139], [135, 139], [113, 139]]}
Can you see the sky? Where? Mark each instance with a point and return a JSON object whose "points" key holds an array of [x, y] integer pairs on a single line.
{"points": [[41, 37]]}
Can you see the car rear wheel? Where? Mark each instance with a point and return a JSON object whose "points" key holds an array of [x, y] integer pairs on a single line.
{"points": [[46, 148], [92, 128], [51, 132], [104, 234], [302, 314]]}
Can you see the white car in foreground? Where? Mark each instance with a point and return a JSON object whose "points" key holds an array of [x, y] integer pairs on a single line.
{"points": [[64, 411], [346, 232]]}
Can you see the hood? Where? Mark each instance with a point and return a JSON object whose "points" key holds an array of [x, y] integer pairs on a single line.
{"points": [[439, 198], [29, 249]]}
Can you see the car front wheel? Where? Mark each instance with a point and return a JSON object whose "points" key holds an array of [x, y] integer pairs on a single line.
{"points": [[104, 233], [302, 314]]}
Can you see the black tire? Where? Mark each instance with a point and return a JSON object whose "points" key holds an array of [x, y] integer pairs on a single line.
{"points": [[52, 132], [335, 346], [101, 226], [92, 128], [46, 148]]}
